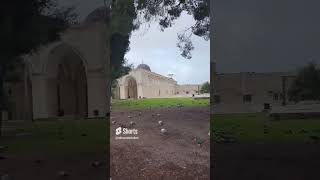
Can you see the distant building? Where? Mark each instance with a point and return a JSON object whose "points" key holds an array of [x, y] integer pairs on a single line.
{"points": [[143, 83], [250, 88]]}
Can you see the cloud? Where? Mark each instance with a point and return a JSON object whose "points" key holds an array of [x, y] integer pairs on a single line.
{"points": [[158, 50]]}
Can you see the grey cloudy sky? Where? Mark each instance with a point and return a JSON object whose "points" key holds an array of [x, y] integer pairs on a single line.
{"points": [[158, 49], [266, 35]]}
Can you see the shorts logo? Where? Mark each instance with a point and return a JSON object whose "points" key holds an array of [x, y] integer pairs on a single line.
{"points": [[118, 130]]}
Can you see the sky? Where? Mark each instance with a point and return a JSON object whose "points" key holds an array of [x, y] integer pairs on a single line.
{"points": [[158, 49], [250, 35], [265, 35]]}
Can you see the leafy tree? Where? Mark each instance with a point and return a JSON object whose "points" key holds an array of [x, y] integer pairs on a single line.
{"points": [[122, 24], [306, 85], [24, 27], [128, 15], [167, 11], [205, 88]]}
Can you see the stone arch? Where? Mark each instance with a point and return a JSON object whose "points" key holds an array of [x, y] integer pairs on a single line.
{"points": [[66, 82], [130, 87], [61, 48]]}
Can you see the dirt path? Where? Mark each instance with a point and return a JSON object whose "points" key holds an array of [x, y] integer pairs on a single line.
{"points": [[157, 156]]}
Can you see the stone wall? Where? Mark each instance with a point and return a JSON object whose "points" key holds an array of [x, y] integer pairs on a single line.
{"points": [[250, 88]]}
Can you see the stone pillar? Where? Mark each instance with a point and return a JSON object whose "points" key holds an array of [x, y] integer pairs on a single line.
{"points": [[122, 91], [39, 96], [97, 94], [139, 90]]}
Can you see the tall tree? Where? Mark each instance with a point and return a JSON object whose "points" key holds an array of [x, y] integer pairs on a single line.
{"points": [[306, 85], [205, 88], [122, 24], [24, 27]]}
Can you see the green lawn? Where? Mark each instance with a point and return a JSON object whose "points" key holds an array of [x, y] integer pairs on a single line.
{"points": [[251, 127], [159, 103], [59, 137]]}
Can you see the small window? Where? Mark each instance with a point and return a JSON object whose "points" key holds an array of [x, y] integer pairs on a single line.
{"points": [[276, 96], [247, 98]]}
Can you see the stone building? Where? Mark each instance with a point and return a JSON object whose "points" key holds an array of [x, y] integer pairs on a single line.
{"points": [[188, 89], [67, 78], [251, 89], [143, 83]]}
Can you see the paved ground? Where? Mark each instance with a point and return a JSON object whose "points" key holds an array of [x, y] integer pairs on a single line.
{"points": [[156, 156]]}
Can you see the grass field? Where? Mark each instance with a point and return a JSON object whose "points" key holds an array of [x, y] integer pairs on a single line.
{"points": [[159, 103], [58, 137], [257, 128]]}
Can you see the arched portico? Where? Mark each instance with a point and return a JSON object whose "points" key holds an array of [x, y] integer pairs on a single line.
{"points": [[66, 82], [71, 77], [130, 88]]}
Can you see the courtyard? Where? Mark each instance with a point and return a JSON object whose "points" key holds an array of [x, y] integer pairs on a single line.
{"points": [[173, 155]]}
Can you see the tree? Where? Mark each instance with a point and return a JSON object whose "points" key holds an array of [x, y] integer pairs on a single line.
{"points": [[205, 88], [128, 15], [122, 24], [167, 11], [26, 26], [306, 85]]}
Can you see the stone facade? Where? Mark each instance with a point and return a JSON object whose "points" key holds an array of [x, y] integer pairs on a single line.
{"points": [[188, 89], [249, 89], [68, 78], [143, 83]]}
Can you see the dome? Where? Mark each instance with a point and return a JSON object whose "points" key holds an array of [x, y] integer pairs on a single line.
{"points": [[144, 66], [99, 14]]}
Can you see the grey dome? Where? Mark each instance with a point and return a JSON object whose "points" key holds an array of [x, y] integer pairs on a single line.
{"points": [[144, 66]]}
